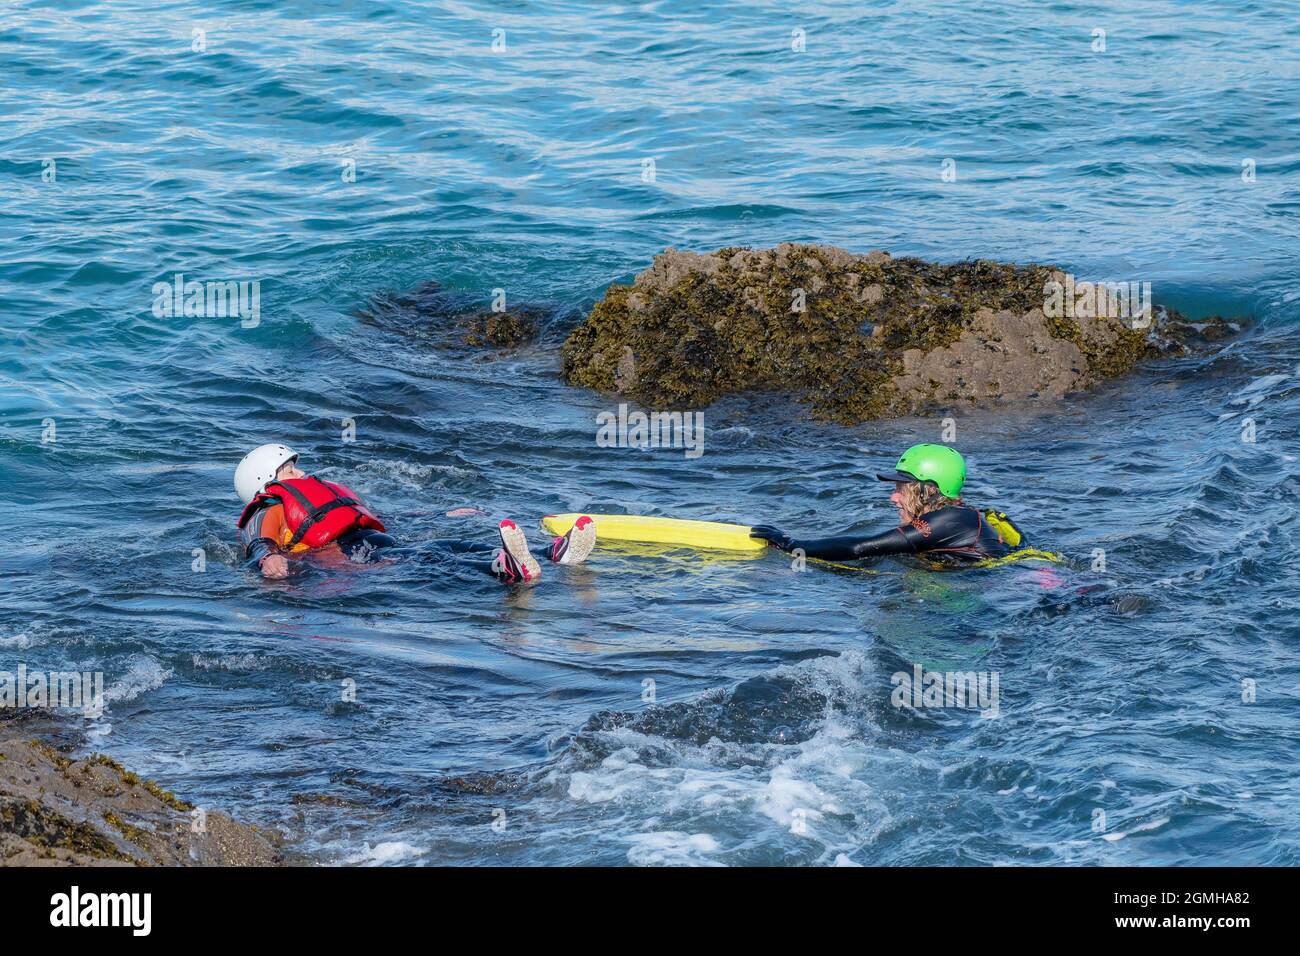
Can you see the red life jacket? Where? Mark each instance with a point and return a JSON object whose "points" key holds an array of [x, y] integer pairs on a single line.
{"points": [[316, 512]]}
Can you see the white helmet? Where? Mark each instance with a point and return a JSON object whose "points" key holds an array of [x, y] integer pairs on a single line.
{"points": [[259, 467]]}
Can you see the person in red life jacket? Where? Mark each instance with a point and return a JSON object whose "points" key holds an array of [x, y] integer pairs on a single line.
{"points": [[288, 512]]}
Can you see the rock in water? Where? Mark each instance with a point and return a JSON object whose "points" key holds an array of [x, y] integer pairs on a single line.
{"points": [[57, 811], [451, 319], [854, 337]]}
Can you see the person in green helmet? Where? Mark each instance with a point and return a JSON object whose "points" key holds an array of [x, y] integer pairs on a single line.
{"points": [[933, 519]]}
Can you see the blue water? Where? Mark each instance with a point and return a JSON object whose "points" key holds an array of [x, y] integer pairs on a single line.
{"points": [[771, 737]]}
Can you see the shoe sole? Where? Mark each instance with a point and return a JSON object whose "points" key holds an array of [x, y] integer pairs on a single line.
{"points": [[582, 538], [516, 544]]}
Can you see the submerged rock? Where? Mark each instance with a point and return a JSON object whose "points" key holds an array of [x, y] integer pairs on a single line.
{"points": [[503, 330], [451, 319], [852, 336], [482, 782]]}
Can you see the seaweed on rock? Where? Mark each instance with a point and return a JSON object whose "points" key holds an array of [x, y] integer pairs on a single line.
{"points": [[853, 337]]}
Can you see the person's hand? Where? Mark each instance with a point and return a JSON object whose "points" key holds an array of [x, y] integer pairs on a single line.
{"points": [[773, 536], [275, 566], [465, 512]]}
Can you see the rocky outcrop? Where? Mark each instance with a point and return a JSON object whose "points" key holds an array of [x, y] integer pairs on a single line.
{"points": [[57, 811], [854, 337]]}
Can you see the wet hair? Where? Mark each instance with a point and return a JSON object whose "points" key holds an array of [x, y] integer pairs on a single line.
{"points": [[924, 496]]}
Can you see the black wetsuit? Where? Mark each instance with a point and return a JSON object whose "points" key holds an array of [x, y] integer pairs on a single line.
{"points": [[958, 531]]}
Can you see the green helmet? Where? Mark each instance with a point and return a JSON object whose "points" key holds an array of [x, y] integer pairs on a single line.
{"points": [[939, 464]]}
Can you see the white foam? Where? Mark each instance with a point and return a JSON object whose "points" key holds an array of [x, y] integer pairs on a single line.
{"points": [[385, 854], [1257, 390], [672, 848], [142, 675], [408, 474], [229, 662], [792, 802], [1140, 828], [817, 790], [160, 469]]}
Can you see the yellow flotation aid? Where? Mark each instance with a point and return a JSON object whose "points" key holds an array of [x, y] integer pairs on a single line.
{"points": [[1014, 537], [851, 567], [1024, 554], [707, 535], [1004, 526]]}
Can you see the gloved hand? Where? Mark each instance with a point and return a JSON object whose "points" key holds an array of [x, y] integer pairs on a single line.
{"points": [[773, 536]]}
